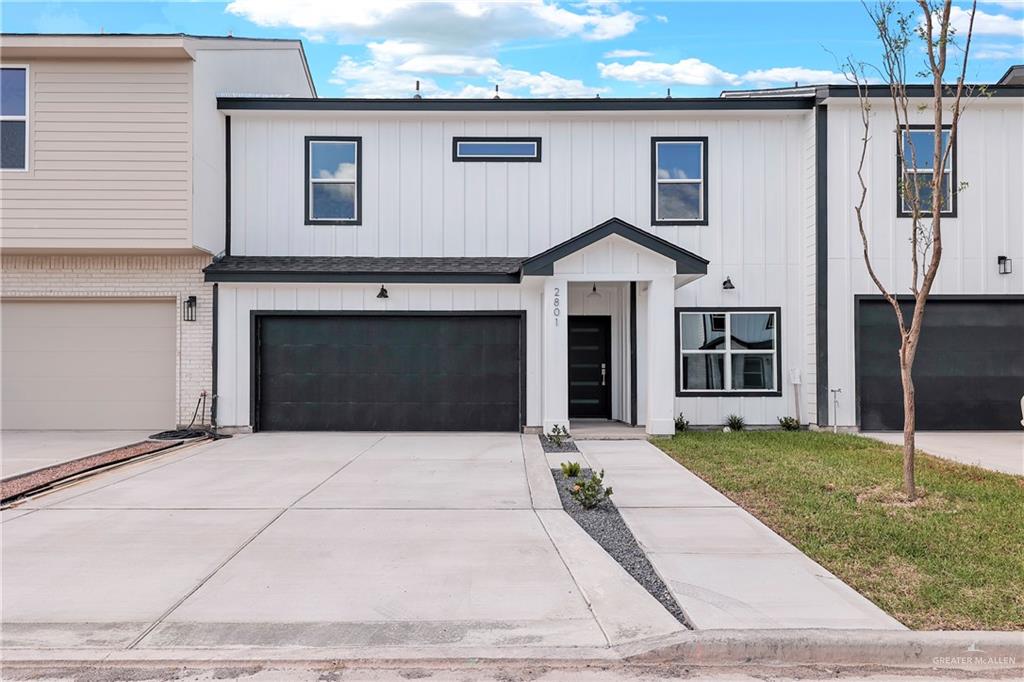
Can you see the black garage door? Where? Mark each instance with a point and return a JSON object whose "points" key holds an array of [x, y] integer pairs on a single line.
{"points": [[969, 371], [402, 372]]}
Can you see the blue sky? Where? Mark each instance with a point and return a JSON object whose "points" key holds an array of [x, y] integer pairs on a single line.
{"points": [[539, 48]]}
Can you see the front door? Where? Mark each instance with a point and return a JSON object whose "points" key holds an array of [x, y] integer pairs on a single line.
{"points": [[590, 366]]}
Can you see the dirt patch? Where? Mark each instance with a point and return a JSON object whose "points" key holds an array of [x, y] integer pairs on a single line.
{"points": [[17, 486]]}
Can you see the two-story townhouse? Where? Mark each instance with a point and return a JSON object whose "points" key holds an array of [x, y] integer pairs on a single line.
{"points": [[111, 203], [501, 264]]}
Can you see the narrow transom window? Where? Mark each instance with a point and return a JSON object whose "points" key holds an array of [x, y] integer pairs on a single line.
{"points": [[13, 118], [728, 351], [919, 159], [496, 149], [333, 175], [679, 190]]}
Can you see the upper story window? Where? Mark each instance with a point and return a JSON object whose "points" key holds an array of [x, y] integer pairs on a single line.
{"points": [[728, 351], [14, 118], [496, 149], [333, 180], [679, 189], [919, 159]]}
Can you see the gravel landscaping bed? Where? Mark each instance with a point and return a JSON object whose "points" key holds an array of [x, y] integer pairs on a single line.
{"points": [[567, 445], [18, 485], [606, 526]]}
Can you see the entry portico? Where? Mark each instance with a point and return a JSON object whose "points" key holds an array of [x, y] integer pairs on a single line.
{"points": [[637, 273]]}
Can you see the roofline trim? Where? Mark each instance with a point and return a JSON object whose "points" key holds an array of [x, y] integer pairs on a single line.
{"points": [[595, 104], [365, 277]]}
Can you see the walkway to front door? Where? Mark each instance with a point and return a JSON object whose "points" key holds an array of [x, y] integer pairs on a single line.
{"points": [[590, 366]]}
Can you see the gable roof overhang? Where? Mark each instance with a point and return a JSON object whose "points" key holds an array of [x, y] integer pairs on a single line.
{"points": [[687, 263], [450, 270]]}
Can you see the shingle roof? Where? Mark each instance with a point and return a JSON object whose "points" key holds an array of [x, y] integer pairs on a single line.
{"points": [[363, 269]]}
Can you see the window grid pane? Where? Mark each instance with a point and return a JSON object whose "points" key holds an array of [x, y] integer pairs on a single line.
{"points": [[515, 150], [679, 180], [731, 369]]}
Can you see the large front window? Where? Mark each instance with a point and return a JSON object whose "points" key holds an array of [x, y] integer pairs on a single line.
{"points": [[728, 351], [14, 118], [919, 162], [679, 183], [332, 180]]}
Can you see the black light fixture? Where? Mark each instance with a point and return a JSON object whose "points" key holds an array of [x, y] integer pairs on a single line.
{"points": [[383, 293], [188, 309], [728, 285], [594, 292], [1005, 265]]}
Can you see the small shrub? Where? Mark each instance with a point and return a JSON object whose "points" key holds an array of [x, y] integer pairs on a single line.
{"points": [[789, 423], [682, 423], [735, 422], [571, 469], [559, 434], [591, 492]]}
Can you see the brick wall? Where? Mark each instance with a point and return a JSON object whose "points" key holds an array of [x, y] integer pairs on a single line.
{"points": [[177, 277]]}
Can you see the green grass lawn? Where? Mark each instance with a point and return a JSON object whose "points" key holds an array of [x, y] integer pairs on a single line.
{"points": [[952, 560]]}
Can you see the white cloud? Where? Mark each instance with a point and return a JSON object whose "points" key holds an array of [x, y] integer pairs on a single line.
{"points": [[451, 23], [625, 54], [690, 71], [998, 51], [986, 24], [661, 18], [451, 65], [787, 75]]}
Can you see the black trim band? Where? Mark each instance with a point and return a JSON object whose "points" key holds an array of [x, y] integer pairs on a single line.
{"points": [[610, 104]]}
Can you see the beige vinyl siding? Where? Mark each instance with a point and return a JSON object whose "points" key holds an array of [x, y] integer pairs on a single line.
{"points": [[110, 151]]}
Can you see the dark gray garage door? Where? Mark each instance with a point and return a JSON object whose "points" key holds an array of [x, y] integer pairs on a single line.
{"points": [[415, 372], [969, 371]]}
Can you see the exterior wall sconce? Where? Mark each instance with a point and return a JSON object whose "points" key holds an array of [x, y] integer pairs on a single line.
{"points": [[188, 309], [594, 292], [1005, 265], [383, 293], [728, 285]]}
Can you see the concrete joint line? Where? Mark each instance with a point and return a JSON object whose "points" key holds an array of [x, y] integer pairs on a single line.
{"points": [[583, 594], [526, 472], [238, 550]]}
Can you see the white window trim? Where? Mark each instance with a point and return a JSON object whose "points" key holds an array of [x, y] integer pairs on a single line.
{"points": [[25, 118], [678, 181], [728, 351], [311, 181], [908, 171]]}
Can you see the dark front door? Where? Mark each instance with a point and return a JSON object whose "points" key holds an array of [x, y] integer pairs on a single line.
{"points": [[398, 372], [590, 366], [969, 370]]}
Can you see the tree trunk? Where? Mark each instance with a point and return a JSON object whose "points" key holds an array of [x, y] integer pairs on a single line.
{"points": [[909, 418]]}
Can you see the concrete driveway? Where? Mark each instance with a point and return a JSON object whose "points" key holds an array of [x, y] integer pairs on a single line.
{"points": [[994, 450], [23, 451], [336, 541]]}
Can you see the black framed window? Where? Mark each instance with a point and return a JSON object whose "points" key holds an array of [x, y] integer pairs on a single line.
{"points": [[728, 352], [14, 118], [679, 188], [496, 149], [333, 180], [918, 146]]}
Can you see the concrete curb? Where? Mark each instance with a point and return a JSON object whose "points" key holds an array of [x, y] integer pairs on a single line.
{"points": [[772, 649], [968, 650]]}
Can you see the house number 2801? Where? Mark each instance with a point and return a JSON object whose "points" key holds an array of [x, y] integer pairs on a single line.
{"points": [[555, 309]]}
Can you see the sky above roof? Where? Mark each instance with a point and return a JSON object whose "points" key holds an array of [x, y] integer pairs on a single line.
{"points": [[541, 48]]}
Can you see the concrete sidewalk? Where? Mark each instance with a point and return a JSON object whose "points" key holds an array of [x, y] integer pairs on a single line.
{"points": [[1001, 451], [22, 451], [725, 568]]}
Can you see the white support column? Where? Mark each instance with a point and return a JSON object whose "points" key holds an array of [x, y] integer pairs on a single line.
{"points": [[555, 372], [661, 364]]}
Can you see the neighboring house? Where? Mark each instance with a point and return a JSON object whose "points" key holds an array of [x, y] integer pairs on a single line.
{"points": [[499, 264], [111, 203]]}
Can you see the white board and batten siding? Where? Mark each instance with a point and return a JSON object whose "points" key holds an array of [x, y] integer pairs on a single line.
{"points": [[989, 221], [417, 202], [109, 152], [238, 301]]}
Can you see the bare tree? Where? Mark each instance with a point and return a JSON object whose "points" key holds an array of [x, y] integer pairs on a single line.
{"points": [[924, 200]]}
